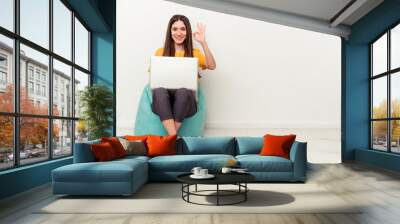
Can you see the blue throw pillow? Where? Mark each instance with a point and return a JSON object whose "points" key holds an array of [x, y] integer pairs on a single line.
{"points": [[249, 145], [208, 145]]}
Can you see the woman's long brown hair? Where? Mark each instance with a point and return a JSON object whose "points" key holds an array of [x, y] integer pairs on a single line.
{"points": [[169, 45]]}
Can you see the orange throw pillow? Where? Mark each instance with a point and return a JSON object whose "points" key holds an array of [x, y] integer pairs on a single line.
{"points": [[277, 145], [116, 145], [136, 137], [103, 152], [161, 145]]}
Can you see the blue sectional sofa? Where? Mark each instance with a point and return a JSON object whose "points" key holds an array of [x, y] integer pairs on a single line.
{"points": [[125, 176]]}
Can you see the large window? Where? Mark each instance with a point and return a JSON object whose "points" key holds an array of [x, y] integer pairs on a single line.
{"points": [[385, 91], [44, 64]]}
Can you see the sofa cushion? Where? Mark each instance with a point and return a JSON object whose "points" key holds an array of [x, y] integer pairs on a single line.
{"points": [[116, 145], [249, 145], [257, 163], [161, 145], [132, 158], [111, 171], [103, 152], [275, 145], [136, 137], [83, 152], [207, 145], [185, 163], [136, 147]]}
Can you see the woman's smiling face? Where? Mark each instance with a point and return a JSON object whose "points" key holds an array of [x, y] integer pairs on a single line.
{"points": [[178, 32]]}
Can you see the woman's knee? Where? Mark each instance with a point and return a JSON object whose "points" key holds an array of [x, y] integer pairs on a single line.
{"points": [[183, 94], [160, 93]]}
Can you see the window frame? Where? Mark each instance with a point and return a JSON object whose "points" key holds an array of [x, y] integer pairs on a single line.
{"points": [[16, 115], [388, 74]]}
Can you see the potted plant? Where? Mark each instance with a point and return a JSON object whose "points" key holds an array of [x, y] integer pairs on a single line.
{"points": [[96, 102]]}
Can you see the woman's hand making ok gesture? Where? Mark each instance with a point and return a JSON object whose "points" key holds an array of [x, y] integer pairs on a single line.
{"points": [[199, 35]]}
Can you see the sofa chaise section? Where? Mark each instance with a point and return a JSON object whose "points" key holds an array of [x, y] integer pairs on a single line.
{"points": [[87, 177]]}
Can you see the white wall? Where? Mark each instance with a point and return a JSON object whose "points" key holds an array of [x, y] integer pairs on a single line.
{"points": [[267, 76]]}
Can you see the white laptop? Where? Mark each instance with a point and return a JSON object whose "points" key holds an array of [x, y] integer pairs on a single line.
{"points": [[173, 72]]}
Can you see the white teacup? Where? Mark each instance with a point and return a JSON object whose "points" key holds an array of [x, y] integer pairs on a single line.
{"points": [[196, 171], [226, 170], [203, 172]]}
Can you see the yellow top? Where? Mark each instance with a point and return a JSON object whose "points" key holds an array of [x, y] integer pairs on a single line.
{"points": [[196, 53]]}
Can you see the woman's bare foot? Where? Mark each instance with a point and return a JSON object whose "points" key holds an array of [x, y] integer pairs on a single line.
{"points": [[169, 125]]}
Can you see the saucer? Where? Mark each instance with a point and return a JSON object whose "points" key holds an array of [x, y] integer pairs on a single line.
{"points": [[240, 171], [208, 176]]}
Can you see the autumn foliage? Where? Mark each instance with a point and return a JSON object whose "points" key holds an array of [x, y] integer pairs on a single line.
{"points": [[380, 127], [33, 131]]}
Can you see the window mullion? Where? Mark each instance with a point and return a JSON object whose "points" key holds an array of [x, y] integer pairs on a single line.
{"points": [[50, 81], [370, 98], [16, 84], [73, 82], [389, 104]]}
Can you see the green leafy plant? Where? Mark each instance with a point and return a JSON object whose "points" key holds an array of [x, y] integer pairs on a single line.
{"points": [[96, 103]]}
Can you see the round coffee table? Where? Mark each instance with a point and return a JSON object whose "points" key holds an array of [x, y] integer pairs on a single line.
{"points": [[238, 179]]}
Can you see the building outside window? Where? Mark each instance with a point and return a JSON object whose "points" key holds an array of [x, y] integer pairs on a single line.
{"points": [[30, 87], [3, 72], [55, 94], [34, 75], [37, 75], [38, 89], [3, 78], [43, 90], [3, 61], [30, 72], [43, 78]]}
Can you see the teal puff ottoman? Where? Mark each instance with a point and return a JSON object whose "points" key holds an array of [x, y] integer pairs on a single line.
{"points": [[148, 122]]}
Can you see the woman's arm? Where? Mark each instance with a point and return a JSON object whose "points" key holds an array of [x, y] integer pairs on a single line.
{"points": [[210, 61], [199, 36]]}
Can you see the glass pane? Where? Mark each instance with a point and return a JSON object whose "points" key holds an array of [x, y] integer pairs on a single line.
{"points": [[33, 139], [395, 47], [81, 131], [6, 74], [6, 142], [379, 55], [62, 138], [395, 136], [34, 81], [35, 21], [7, 14], [395, 94], [379, 135], [62, 89], [62, 29], [379, 98], [81, 45], [81, 81]]}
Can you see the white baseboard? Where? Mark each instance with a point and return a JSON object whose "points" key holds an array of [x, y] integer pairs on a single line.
{"points": [[129, 127], [271, 125]]}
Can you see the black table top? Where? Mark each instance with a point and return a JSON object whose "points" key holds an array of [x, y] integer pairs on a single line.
{"points": [[220, 178]]}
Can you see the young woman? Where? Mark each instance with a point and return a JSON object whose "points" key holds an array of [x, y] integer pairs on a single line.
{"points": [[173, 106]]}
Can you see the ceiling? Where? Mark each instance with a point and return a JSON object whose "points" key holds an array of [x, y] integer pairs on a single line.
{"points": [[326, 16]]}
